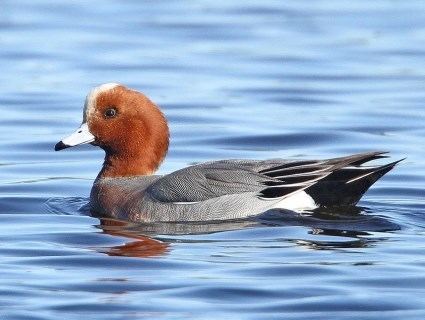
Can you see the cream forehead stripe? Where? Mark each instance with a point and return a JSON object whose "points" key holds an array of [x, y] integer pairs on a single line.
{"points": [[90, 103]]}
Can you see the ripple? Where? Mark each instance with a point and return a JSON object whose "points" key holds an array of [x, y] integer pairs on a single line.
{"points": [[68, 206]]}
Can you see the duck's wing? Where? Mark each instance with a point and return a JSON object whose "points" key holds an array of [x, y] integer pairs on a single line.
{"points": [[214, 179], [268, 179]]}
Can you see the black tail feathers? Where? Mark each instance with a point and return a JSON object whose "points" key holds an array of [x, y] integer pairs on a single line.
{"points": [[347, 185]]}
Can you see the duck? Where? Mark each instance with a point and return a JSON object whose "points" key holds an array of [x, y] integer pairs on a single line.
{"points": [[134, 134]]}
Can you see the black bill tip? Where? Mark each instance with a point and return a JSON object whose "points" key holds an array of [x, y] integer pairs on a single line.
{"points": [[60, 146]]}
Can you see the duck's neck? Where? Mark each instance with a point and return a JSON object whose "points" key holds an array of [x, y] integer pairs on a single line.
{"points": [[135, 160], [116, 166]]}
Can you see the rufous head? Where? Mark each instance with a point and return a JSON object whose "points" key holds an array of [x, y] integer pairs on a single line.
{"points": [[127, 125]]}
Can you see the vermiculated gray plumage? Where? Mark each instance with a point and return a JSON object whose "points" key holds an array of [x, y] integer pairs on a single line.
{"points": [[233, 189]]}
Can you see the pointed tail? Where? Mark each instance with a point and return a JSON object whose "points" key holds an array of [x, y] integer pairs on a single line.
{"points": [[347, 185]]}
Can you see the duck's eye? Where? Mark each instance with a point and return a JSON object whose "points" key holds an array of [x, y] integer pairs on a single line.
{"points": [[110, 113]]}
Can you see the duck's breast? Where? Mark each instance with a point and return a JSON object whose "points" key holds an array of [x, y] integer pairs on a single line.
{"points": [[120, 197]]}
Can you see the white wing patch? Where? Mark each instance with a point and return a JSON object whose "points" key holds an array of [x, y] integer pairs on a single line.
{"points": [[296, 202]]}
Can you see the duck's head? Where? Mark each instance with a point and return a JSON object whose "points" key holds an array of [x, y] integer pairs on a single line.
{"points": [[127, 125]]}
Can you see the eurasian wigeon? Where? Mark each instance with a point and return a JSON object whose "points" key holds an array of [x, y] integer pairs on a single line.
{"points": [[134, 134]]}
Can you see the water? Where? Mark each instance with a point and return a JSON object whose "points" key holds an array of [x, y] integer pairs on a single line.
{"points": [[237, 79]]}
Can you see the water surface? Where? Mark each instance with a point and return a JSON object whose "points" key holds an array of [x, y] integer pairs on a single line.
{"points": [[237, 79]]}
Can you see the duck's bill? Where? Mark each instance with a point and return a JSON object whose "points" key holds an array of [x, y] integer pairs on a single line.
{"points": [[81, 136]]}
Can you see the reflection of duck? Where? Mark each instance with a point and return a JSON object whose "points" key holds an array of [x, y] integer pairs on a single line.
{"points": [[134, 134], [335, 230], [141, 247], [339, 221], [144, 245]]}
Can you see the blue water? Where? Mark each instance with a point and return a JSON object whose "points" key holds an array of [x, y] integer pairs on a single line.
{"points": [[237, 79]]}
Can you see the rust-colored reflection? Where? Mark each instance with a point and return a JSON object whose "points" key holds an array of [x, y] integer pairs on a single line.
{"points": [[142, 246], [146, 246]]}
